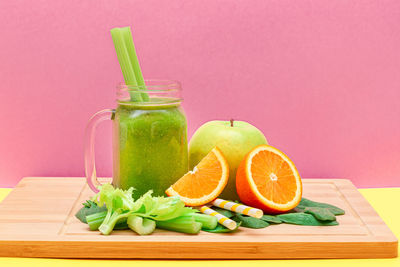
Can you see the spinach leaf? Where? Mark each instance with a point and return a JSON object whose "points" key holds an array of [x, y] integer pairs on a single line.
{"points": [[322, 214], [89, 207], [304, 219], [304, 203], [271, 219], [250, 222]]}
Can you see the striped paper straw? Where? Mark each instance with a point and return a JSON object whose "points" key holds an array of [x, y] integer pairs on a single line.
{"points": [[225, 221], [239, 208]]}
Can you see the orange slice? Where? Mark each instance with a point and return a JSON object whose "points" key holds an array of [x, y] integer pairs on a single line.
{"points": [[205, 182], [268, 179]]}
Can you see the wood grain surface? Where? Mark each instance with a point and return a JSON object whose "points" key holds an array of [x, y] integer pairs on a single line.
{"points": [[37, 220]]}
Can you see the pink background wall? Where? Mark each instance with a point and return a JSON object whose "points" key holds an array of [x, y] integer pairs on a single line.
{"points": [[320, 78]]}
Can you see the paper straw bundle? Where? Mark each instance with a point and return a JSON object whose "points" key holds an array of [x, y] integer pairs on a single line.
{"points": [[232, 206]]}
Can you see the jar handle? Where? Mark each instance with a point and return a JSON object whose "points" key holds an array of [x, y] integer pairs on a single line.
{"points": [[90, 167]]}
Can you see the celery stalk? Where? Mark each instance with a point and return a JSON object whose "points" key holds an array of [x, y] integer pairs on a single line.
{"points": [[183, 224], [128, 39], [207, 221], [111, 220], [142, 226], [125, 62], [95, 220]]}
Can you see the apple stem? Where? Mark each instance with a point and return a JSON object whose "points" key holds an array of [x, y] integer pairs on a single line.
{"points": [[231, 122]]}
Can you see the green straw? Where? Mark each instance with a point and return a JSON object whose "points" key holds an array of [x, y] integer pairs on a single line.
{"points": [[130, 67]]}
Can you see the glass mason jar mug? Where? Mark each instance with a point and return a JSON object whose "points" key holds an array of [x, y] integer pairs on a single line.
{"points": [[149, 138]]}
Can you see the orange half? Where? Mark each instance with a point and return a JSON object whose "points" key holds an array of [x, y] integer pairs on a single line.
{"points": [[268, 179], [205, 182]]}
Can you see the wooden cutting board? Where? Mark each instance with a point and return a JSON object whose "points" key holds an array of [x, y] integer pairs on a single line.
{"points": [[37, 220]]}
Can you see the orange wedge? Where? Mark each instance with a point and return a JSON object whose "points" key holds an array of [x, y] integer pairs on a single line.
{"points": [[268, 179], [205, 182]]}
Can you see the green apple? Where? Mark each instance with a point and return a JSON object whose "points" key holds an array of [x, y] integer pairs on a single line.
{"points": [[234, 138]]}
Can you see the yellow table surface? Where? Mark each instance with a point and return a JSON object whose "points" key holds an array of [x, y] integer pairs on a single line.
{"points": [[384, 200]]}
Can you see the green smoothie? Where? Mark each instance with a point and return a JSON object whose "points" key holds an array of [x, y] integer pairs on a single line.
{"points": [[150, 146]]}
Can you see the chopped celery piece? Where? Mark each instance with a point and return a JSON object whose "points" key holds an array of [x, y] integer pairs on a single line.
{"points": [[207, 221], [111, 221], [184, 224], [95, 220], [142, 226]]}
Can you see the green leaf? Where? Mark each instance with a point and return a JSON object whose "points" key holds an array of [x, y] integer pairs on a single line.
{"points": [[322, 214], [304, 203], [271, 219], [304, 219], [222, 229], [168, 208], [89, 207], [250, 222], [145, 204]]}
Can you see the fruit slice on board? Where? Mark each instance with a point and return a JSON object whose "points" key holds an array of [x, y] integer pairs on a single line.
{"points": [[268, 179], [205, 182]]}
